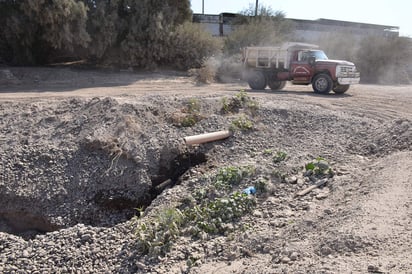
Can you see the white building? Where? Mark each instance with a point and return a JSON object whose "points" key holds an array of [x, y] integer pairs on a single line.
{"points": [[305, 30]]}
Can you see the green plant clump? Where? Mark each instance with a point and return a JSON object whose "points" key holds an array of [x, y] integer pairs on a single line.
{"points": [[279, 157], [319, 167], [189, 120], [227, 177], [211, 216], [209, 210], [192, 113], [155, 236], [239, 101], [241, 123]]}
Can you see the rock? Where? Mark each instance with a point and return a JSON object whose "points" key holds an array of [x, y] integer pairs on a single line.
{"points": [[374, 269], [285, 260], [325, 250], [308, 173], [25, 254], [258, 214], [86, 238], [291, 180], [322, 195], [294, 256], [140, 265], [323, 165], [328, 211]]}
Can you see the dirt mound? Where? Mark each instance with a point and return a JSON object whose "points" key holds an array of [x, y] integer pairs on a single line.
{"points": [[78, 169], [83, 161]]}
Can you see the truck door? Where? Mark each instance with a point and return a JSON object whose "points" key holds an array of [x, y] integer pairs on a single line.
{"points": [[300, 68]]}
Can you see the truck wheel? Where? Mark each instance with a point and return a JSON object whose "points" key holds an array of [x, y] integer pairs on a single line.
{"points": [[340, 89], [257, 80], [322, 83], [276, 85]]}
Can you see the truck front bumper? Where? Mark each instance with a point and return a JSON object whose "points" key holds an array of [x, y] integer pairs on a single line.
{"points": [[349, 80]]}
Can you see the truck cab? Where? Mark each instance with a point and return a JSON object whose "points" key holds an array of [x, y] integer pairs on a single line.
{"points": [[300, 63]]}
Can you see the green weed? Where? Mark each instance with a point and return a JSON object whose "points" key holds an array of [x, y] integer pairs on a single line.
{"points": [[319, 166], [241, 123], [280, 156]]}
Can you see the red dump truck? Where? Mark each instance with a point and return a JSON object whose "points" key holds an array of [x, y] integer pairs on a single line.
{"points": [[300, 63]]}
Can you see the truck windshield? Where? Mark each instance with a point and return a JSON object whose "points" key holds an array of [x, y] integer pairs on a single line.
{"points": [[318, 54]]}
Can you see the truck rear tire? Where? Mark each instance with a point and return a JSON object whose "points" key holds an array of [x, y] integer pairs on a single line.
{"points": [[340, 89], [257, 80], [322, 83], [276, 85]]}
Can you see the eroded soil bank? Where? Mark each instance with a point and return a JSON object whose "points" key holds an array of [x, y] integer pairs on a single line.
{"points": [[78, 158]]}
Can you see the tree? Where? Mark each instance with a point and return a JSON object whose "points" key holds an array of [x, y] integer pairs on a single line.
{"points": [[268, 28], [385, 60], [134, 33], [34, 29]]}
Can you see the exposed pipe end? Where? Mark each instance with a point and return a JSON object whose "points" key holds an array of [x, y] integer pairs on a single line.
{"points": [[207, 137]]}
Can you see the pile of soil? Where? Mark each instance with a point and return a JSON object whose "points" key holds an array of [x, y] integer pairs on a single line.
{"points": [[74, 169]]}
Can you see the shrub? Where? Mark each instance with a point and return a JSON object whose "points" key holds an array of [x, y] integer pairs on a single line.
{"points": [[319, 167], [190, 45], [227, 177], [155, 236], [384, 60], [207, 211], [279, 157], [241, 123], [240, 100], [267, 29], [211, 216]]}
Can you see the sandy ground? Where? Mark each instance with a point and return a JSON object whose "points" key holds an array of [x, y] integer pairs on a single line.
{"points": [[363, 221]]}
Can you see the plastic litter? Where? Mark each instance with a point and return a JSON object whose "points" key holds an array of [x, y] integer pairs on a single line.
{"points": [[249, 190]]}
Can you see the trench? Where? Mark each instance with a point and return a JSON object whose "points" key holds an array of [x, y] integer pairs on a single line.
{"points": [[28, 224]]}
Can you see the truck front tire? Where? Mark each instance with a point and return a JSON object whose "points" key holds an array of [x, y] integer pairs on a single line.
{"points": [[256, 80], [340, 89], [322, 83]]}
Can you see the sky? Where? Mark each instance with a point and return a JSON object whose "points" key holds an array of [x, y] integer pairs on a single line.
{"points": [[381, 12]]}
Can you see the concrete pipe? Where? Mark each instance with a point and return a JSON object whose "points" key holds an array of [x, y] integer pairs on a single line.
{"points": [[207, 137]]}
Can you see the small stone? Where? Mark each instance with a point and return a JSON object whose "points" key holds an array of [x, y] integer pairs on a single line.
{"points": [[86, 238], [374, 269], [25, 254], [258, 214], [294, 256], [140, 266], [325, 251], [285, 260], [323, 165], [322, 195], [291, 180], [308, 173], [328, 211]]}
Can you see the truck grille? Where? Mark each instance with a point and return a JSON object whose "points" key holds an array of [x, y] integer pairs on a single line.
{"points": [[347, 71]]}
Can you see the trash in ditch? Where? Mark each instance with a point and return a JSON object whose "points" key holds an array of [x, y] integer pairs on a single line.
{"points": [[249, 190]]}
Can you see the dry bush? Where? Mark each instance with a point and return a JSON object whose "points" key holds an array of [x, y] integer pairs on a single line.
{"points": [[191, 45], [381, 60], [269, 28], [385, 60]]}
